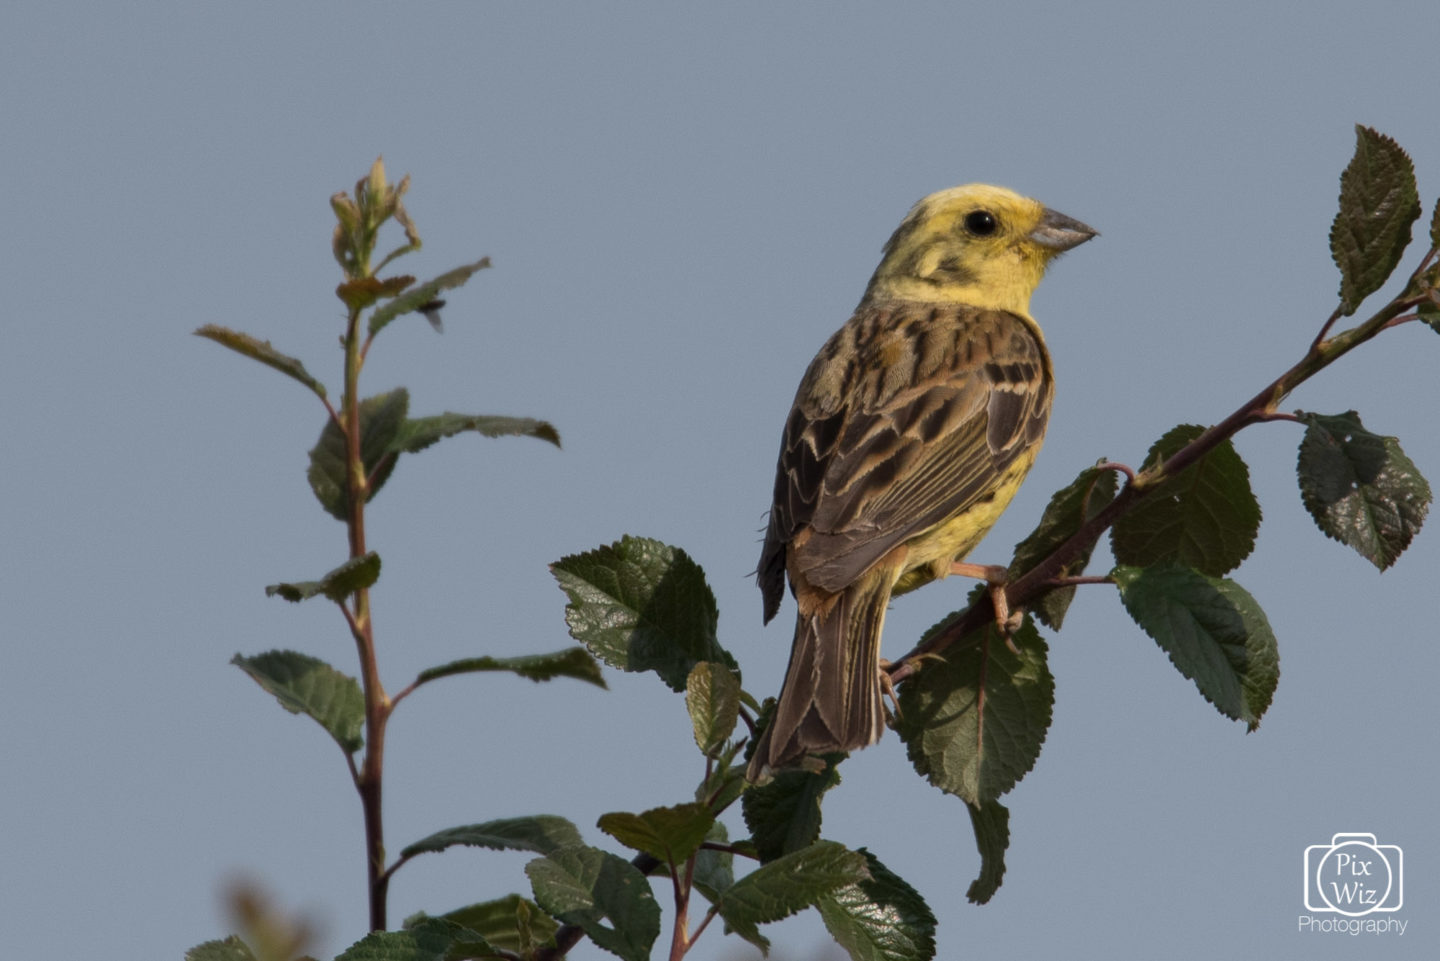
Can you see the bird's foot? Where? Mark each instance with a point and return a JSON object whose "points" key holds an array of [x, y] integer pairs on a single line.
{"points": [[995, 577], [887, 691]]}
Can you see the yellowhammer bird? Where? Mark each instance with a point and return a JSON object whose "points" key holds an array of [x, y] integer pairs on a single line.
{"points": [[911, 431]]}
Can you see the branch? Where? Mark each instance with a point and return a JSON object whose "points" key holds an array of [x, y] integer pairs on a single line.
{"points": [[1262, 407]]}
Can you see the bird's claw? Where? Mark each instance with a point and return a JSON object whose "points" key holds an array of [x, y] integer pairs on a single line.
{"points": [[996, 578], [887, 690]]}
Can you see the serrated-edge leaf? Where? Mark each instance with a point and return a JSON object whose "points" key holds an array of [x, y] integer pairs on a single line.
{"points": [[1069, 509], [1360, 487], [974, 721], [413, 299], [307, 685], [353, 575], [511, 923], [991, 823], [421, 432], [427, 941], [1378, 204], [381, 419], [294, 591], [712, 697], [572, 662], [714, 869], [230, 949], [670, 834], [357, 293], [792, 883], [783, 814], [584, 886], [1428, 309], [467, 944], [356, 574], [749, 932], [1205, 517], [882, 919], [257, 349], [1212, 630], [540, 833], [639, 605], [529, 917]]}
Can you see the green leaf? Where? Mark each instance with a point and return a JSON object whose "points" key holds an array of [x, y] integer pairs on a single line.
{"points": [[572, 662], [541, 833], [670, 834], [427, 941], [585, 886], [789, 884], [712, 696], [358, 293], [355, 574], [466, 944], [418, 297], [381, 420], [307, 685], [1214, 632], [1425, 285], [714, 870], [231, 949], [386, 433], [991, 822], [420, 433], [1069, 509], [974, 720], [1429, 284], [641, 605], [783, 814], [511, 923], [1205, 517], [260, 350], [882, 919], [1360, 487], [1378, 203]]}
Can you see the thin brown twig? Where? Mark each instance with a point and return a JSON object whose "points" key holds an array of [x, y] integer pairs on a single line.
{"points": [[679, 938], [370, 781], [704, 923], [1118, 468], [1325, 329]]}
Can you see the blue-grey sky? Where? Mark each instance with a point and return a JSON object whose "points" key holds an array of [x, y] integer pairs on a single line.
{"points": [[681, 203]]}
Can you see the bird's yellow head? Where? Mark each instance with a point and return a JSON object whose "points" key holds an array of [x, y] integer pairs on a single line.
{"points": [[977, 244]]}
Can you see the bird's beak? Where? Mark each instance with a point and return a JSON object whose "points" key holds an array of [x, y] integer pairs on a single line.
{"points": [[1058, 233]]}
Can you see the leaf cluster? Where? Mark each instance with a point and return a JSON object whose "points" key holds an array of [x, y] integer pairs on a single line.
{"points": [[975, 697], [975, 721]]}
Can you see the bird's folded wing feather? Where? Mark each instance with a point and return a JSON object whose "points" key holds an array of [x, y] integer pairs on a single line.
{"points": [[919, 425]]}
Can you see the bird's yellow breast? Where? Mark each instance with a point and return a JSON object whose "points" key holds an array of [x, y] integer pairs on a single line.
{"points": [[931, 553]]}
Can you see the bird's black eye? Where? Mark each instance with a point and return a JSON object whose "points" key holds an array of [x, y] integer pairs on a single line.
{"points": [[981, 223]]}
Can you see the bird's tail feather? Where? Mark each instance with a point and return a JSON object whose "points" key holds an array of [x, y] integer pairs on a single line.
{"points": [[831, 699]]}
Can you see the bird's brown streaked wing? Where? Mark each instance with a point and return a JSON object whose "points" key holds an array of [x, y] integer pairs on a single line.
{"points": [[903, 460], [805, 450]]}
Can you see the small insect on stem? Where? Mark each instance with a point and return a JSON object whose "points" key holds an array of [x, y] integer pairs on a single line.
{"points": [[431, 310]]}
